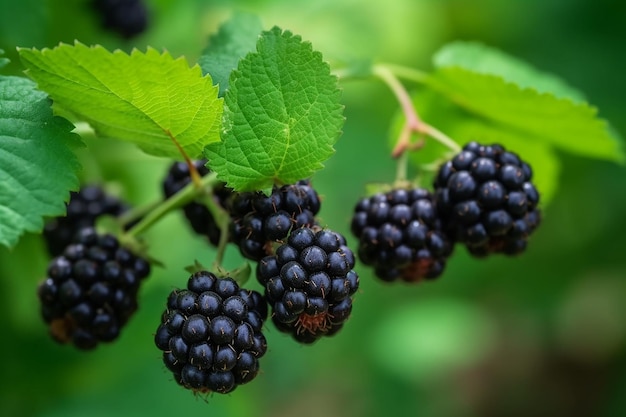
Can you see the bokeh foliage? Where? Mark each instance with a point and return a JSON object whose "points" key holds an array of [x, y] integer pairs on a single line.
{"points": [[538, 335]]}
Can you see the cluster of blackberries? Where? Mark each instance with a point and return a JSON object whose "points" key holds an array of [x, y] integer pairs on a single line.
{"points": [[483, 198], [258, 221], [306, 272], [90, 290], [92, 282], [128, 18], [210, 334]]}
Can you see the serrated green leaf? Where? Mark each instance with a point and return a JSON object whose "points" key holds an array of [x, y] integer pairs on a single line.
{"points": [[571, 127], [234, 39], [481, 59], [149, 99], [282, 115], [37, 164]]}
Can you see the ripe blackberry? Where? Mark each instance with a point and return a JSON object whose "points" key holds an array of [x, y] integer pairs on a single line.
{"points": [[210, 334], [128, 18], [487, 199], [260, 220], [200, 218], [90, 291], [83, 209], [309, 283], [400, 235]]}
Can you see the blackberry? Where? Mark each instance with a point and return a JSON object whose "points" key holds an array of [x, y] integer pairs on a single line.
{"points": [[128, 18], [82, 210], [309, 283], [400, 235], [210, 334], [90, 291], [260, 220], [486, 198], [198, 215]]}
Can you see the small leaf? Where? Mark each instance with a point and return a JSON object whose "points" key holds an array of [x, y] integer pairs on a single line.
{"points": [[37, 164], [149, 99], [569, 126], [482, 59], [234, 39], [282, 115]]}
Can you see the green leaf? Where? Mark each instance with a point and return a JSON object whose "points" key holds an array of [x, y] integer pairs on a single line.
{"points": [[149, 99], [37, 164], [481, 59], [234, 39], [282, 115], [571, 127]]}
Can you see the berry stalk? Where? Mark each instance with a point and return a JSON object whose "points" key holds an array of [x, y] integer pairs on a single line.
{"points": [[182, 197], [413, 123]]}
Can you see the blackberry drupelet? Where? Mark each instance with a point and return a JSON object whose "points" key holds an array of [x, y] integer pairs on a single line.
{"points": [[210, 334], [486, 197], [198, 215], [90, 291], [83, 209], [128, 18], [309, 283], [260, 220], [400, 235]]}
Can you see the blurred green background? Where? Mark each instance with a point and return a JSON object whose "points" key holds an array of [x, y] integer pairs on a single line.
{"points": [[540, 335]]}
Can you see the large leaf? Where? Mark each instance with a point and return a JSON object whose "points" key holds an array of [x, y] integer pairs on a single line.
{"points": [[497, 87], [37, 164], [560, 122], [282, 115], [481, 59], [150, 99], [234, 39]]}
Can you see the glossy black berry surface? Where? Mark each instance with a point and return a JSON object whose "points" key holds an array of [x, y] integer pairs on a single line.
{"points": [[309, 283], [486, 197], [211, 334], [401, 235], [90, 290], [260, 220], [83, 209]]}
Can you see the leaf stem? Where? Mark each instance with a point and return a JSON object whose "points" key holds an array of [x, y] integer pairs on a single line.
{"points": [[182, 197], [413, 123], [193, 172]]}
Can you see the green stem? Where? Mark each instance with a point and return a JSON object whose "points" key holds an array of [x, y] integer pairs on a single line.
{"points": [[137, 213], [413, 123], [402, 168], [407, 73], [182, 197]]}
